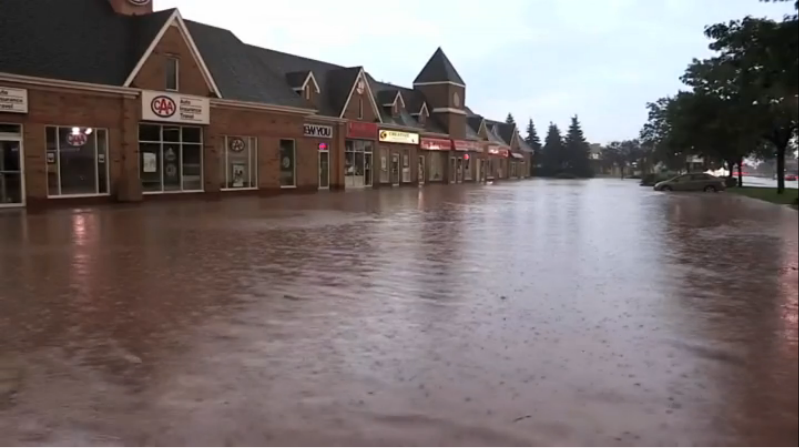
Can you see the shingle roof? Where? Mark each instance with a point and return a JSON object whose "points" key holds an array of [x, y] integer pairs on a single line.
{"points": [[505, 130], [439, 69], [284, 63], [76, 40], [238, 74], [296, 79]]}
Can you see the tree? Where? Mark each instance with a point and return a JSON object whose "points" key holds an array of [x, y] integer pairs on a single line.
{"points": [[532, 138], [758, 70], [614, 155], [552, 152], [577, 151], [510, 120]]}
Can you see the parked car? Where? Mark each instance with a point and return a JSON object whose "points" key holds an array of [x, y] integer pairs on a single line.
{"points": [[791, 177], [692, 182]]}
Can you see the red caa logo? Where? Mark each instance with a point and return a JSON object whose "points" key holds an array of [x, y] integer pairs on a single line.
{"points": [[77, 140], [163, 106]]}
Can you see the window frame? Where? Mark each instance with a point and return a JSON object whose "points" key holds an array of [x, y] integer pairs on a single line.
{"points": [[200, 144], [294, 163], [252, 148], [176, 79], [57, 162]]}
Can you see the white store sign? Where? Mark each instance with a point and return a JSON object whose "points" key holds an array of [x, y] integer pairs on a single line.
{"points": [[410, 138], [174, 108], [13, 101], [318, 131]]}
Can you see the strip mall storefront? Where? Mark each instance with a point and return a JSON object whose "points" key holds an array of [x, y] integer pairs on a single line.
{"points": [[433, 160], [359, 149], [497, 162], [397, 149], [466, 161], [517, 165]]}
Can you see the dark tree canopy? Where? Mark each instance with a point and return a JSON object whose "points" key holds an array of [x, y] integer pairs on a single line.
{"points": [[577, 151], [510, 119], [532, 138]]}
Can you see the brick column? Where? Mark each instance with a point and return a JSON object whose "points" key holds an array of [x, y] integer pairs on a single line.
{"points": [[127, 185]]}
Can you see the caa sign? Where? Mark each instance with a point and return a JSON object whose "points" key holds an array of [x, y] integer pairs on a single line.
{"points": [[174, 108]]}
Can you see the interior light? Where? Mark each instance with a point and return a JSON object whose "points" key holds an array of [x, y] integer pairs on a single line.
{"points": [[75, 131], [88, 131]]}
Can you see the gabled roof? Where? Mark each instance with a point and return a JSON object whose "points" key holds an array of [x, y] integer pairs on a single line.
{"points": [[238, 74], [414, 100], [176, 20], [42, 38], [439, 69], [505, 131], [474, 122], [496, 137]]}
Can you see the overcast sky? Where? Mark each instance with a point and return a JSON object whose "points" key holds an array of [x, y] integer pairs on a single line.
{"points": [[540, 59]]}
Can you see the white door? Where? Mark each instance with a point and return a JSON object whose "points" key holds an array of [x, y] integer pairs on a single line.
{"points": [[12, 179]]}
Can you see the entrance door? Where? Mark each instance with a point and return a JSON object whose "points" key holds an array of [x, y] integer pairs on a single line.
{"points": [[459, 163], [12, 188], [478, 170], [421, 170], [394, 174], [452, 168], [324, 170]]}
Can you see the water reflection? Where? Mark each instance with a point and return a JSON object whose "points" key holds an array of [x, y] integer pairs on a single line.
{"points": [[446, 315]]}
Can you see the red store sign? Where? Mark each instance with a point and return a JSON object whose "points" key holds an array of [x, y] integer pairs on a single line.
{"points": [[498, 151], [435, 144], [463, 145], [360, 129]]}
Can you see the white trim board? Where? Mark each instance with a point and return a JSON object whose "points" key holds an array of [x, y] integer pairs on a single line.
{"points": [[450, 110], [308, 78], [439, 83], [362, 76], [175, 20], [422, 109]]}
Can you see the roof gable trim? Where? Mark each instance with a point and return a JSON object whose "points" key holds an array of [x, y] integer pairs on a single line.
{"points": [[175, 20], [362, 78], [422, 111], [309, 78], [439, 83]]}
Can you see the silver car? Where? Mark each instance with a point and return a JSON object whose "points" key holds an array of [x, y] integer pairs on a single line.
{"points": [[692, 182]]}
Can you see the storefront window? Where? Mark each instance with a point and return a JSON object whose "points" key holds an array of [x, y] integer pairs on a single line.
{"points": [[171, 158], [436, 165], [241, 162], [288, 164], [467, 167], [76, 161], [358, 163]]}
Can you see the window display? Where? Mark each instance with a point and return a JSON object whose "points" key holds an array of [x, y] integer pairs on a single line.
{"points": [[288, 160], [171, 158], [76, 161], [240, 164]]}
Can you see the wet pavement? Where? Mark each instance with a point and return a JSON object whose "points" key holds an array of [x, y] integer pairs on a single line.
{"points": [[529, 313]]}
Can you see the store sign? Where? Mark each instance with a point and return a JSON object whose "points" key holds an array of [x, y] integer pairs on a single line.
{"points": [[237, 144], [435, 144], [77, 139], [362, 130], [174, 108], [465, 145], [498, 151], [318, 131], [409, 138], [14, 101]]}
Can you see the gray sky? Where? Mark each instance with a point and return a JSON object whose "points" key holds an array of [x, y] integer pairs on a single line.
{"points": [[539, 59]]}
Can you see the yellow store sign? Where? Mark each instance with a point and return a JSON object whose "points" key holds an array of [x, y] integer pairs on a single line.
{"points": [[409, 138]]}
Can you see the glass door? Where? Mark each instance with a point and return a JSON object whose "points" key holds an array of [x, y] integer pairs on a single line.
{"points": [[324, 170], [394, 174], [12, 190], [421, 171], [459, 163], [367, 169], [452, 175]]}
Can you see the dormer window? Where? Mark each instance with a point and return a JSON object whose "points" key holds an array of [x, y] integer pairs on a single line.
{"points": [[308, 92]]}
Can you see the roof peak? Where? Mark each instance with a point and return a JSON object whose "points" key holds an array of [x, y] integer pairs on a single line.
{"points": [[439, 69]]}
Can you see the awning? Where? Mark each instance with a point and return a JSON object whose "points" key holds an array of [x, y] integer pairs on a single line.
{"points": [[435, 144]]}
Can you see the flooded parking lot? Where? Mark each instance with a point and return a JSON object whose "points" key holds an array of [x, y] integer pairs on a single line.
{"points": [[528, 313]]}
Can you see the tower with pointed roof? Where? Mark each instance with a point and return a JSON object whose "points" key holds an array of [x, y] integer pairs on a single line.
{"points": [[445, 92]]}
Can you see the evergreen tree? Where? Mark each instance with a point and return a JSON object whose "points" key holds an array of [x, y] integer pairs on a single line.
{"points": [[532, 138], [577, 151], [510, 119], [552, 152]]}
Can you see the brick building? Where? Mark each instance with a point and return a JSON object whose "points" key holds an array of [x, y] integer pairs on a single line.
{"points": [[111, 101]]}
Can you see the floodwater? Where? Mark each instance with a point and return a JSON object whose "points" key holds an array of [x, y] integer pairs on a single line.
{"points": [[529, 313]]}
